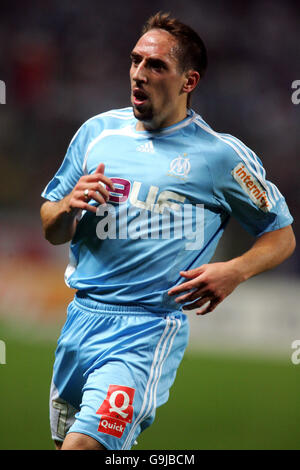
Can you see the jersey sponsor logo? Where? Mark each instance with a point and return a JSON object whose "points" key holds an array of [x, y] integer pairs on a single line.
{"points": [[180, 166], [161, 215], [116, 410], [252, 187], [129, 222], [122, 190]]}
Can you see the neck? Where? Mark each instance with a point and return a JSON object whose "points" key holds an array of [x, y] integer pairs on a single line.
{"points": [[155, 124]]}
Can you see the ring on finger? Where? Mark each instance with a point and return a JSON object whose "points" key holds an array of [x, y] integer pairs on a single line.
{"points": [[86, 193]]}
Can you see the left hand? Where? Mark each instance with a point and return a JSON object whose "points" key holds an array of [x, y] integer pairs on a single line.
{"points": [[210, 283]]}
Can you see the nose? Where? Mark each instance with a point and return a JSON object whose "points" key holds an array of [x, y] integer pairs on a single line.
{"points": [[139, 73]]}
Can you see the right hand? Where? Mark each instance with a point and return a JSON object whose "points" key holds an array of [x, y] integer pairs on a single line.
{"points": [[77, 200]]}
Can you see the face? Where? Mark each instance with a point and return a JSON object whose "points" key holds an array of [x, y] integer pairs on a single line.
{"points": [[158, 95]]}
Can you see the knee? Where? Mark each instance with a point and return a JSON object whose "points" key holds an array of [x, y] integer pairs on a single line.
{"points": [[77, 441]]}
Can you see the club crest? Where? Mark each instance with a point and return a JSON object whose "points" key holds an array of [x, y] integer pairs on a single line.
{"points": [[180, 166]]}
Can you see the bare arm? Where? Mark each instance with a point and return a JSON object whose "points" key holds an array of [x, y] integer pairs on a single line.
{"points": [[59, 219], [214, 282]]}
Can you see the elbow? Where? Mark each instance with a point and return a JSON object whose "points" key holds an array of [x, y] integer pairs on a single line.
{"points": [[292, 243], [52, 230], [48, 235], [55, 238], [51, 235], [51, 239]]}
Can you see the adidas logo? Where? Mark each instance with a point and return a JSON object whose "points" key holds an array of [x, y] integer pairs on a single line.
{"points": [[147, 147]]}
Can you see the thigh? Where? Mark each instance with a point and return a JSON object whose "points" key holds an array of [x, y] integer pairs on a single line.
{"points": [[112, 398], [77, 441], [120, 398]]}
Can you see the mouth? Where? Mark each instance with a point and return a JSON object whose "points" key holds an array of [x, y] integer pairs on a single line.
{"points": [[139, 97]]}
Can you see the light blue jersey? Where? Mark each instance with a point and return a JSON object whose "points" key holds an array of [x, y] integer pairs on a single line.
{"points": [[175, 191]]}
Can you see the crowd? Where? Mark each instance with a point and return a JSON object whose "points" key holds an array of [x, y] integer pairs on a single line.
{"points": [[63, 62]]}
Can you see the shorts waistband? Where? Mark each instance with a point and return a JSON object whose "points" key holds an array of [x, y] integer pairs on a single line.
{"points": [[93, 305]]}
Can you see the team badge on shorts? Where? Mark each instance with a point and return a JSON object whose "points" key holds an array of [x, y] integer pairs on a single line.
{"points": [[116, 410]]}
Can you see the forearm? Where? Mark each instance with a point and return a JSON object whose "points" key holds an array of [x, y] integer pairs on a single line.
{"points": [[211, 283], [269, 250], [59, 221], [59, 218]]}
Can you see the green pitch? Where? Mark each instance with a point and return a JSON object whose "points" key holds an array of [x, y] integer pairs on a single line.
{"points": [[217, 402]]}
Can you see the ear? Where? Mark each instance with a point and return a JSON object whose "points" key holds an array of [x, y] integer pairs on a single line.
{"points": [[191, 81]]}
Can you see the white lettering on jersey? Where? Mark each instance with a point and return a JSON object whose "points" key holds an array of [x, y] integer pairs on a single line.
{"points": [[164, 202], [150, 197]]}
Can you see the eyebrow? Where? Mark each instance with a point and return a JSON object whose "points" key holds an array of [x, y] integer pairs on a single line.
{"points": [[151, 60], [134, 55]]}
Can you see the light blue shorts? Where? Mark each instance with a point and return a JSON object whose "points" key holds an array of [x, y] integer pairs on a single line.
{"points": [[113, 367]]}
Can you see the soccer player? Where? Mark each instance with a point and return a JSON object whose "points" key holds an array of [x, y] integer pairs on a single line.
{"points": [[144, 195]]}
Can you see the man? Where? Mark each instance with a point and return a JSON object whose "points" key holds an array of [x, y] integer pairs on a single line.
{"points": [[144, 195]]}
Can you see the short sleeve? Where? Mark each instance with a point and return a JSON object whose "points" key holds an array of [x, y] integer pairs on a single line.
{"points": [[71, 168], [244, 192]]}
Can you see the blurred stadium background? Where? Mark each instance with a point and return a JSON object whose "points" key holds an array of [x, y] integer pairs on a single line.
{"points": [[63, 62]]}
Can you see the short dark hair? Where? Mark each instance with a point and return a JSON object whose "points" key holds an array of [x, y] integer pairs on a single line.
{"points": [[191, 51]]}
